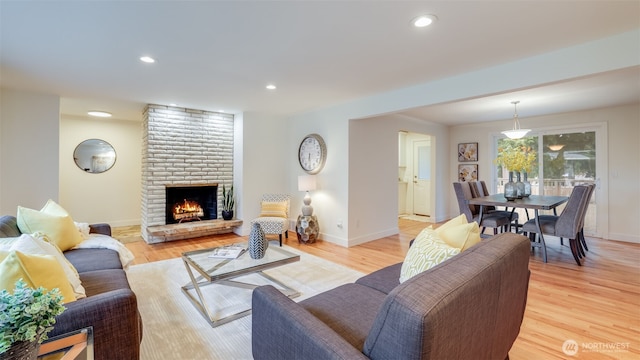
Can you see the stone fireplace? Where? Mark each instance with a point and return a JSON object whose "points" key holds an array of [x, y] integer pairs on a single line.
{"points": [[187, 148]]}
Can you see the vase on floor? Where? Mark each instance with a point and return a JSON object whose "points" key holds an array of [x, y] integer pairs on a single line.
{"points": [[527, 184], [510, 192], [258, 243], [519, 186]]}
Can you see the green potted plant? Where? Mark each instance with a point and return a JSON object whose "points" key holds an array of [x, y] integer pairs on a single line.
{"points": [[26, 316], [228, 201]]}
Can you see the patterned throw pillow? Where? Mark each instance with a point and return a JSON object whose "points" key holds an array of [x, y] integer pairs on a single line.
{"points": [[427, 251], [274, 209]]}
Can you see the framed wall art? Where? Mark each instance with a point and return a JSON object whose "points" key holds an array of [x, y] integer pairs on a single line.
{"points": [[468, 152], [467, 172]]}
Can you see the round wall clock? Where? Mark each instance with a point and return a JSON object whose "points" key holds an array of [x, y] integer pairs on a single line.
{"points": [[312, 153]]}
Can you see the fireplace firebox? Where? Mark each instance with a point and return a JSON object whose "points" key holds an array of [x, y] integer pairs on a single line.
{"points": [[191, 203]]}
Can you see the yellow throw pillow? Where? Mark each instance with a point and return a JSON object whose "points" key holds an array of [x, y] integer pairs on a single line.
{"points": [[37, 244], [425, 253], [273, 209], [461, 236], [458, 220], [52, 221], [36, 271]]}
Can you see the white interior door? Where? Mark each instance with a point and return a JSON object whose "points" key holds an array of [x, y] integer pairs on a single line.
{"points": [[421, 177]]}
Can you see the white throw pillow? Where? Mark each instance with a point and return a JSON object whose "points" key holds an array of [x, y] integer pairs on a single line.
{"points": [[36, 245]]}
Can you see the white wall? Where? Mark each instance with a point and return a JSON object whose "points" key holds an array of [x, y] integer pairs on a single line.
{"points": [[620, 191], [113, 196], [261, 163], [335, 200], [28, 150]]}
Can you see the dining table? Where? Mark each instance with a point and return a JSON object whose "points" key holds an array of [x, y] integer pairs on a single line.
{"points": [[534, 202]]}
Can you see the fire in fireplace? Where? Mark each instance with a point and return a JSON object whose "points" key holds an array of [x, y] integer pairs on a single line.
{"points": [[187, 210], [191, 203]]}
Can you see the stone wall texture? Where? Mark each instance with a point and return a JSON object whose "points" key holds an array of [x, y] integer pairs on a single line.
{"points": [[182, 147]]}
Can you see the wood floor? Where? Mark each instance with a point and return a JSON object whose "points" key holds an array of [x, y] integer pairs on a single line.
{"points": [[596, 305]]}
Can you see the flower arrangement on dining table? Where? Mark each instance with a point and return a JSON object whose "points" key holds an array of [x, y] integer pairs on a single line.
{"points": [[519, 158]]}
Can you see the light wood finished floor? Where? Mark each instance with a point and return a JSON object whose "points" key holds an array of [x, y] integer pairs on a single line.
{"points": [[596, 305]]}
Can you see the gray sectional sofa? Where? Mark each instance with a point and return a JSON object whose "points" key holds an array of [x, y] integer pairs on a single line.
{"points": [[468, 307], [110, 306]]}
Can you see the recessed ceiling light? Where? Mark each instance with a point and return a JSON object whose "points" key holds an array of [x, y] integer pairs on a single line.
{"points": [[103, 114], [271, 87], [172, 104], [424, 20], [147, 59]]}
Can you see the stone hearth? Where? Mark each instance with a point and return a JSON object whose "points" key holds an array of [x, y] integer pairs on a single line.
{"points": [[193, 229]]}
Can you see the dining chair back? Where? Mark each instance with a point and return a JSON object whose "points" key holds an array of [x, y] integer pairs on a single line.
{"points": [[472, 212], [567, 224], [479, 189], [585, 209]]}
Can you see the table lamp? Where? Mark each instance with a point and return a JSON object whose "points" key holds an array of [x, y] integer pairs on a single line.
{"points": [[307, 183]]}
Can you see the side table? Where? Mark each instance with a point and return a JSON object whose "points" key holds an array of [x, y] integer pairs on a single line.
{"points": [[75, 345], [307, 228]]}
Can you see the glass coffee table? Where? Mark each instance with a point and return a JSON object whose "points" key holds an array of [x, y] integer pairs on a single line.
{"points": [[220, 271]]}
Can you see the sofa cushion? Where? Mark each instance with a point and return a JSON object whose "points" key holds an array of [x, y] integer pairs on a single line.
{"points": [[428, 250], [36, 271], [102, 281], [93, 259], [349, 310], [384, 280], [52, 220]]}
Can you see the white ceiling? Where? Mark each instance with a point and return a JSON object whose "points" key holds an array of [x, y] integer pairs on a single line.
{"points": [[219, 55]]}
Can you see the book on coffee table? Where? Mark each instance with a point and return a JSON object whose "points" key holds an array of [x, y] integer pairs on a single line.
{"points": [[227, 252]]}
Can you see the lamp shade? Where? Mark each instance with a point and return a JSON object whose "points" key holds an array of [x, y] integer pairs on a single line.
{"points": [[306, 182]]}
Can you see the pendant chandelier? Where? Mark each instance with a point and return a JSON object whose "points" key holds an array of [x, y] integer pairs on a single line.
{"points": [[516, 132]]}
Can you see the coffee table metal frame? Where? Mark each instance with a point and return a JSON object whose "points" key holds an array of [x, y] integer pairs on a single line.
{"points": [[223, 272]]}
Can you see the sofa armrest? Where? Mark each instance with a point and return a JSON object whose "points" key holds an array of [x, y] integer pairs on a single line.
{"points": [[282, 329], [104, 229], [117, 327]]}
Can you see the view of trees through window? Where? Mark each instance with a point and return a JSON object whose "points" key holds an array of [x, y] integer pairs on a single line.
{"points": [[563, 161]]}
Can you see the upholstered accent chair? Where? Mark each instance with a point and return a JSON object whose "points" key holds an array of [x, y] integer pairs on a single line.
{"points": [[274, 215]]}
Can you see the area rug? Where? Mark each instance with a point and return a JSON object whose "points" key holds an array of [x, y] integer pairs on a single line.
{"points": [[173, 327]]}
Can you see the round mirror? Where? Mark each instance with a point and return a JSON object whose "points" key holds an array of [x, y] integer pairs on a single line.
{"points": [[94, 156]]}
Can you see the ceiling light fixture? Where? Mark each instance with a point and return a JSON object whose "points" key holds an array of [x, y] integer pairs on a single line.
{"points": [[271, 87], [424, 20], [102, 114], [516, 132], [147, 59], [556, 147]]}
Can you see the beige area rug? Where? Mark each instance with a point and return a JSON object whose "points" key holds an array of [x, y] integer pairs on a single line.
{"points": [[173, 327]]}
